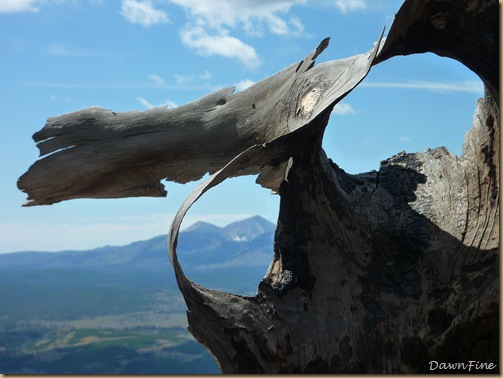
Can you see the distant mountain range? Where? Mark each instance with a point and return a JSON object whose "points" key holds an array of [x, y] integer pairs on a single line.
{"points": [[241, 231], [201, 247], [117, 309]]}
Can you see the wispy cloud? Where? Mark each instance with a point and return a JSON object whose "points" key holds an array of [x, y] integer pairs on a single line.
{"points": [[22, 6], [57, 49], [243, 84], [148, 105], [343, 108], [465, 86], [183, 79], [405, 139], [156, 80], [104, 86], [144, 102], [206, 75], [346, 6], [143, 13], [182, 83], [19, 6]]}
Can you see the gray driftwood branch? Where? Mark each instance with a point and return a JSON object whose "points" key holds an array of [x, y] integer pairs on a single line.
{"points": [[98, 153]]}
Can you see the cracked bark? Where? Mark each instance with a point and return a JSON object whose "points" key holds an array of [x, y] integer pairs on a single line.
{"points": [[373, 273]]}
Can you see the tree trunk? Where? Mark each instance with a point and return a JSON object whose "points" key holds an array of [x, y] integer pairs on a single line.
{"points": [[373, 273], [380, 272]]}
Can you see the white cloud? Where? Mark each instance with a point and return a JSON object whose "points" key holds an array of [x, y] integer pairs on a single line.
{"points": [[206, 75], [57, 49], [15, 6], [342, 109], [465, 86], [243, 84], [148, 105], [156, 80], [183, 79], [252, 15], [144, 102], [170, 104], [211, 25], [346, 6], [295, 22], [220, 44], [20, 6], [404, 139], [143, 13]]}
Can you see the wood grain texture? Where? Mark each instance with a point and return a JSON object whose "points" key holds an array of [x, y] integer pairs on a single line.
{"points": [[374, 273], [98, 153]]}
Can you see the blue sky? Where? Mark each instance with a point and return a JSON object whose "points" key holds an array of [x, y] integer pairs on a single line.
{"points": [[60, 56]]}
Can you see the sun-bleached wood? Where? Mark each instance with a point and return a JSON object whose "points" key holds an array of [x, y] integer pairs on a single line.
{"points": [[98, 153]]}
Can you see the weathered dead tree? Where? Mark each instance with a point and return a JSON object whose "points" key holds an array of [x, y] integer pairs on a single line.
{"points": [[377, 272]]}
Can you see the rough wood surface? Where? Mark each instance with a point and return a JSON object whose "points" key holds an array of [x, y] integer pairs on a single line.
{"points": [[373, 273], [98, 153]]}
